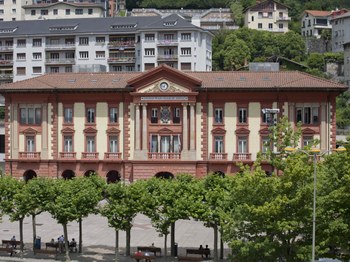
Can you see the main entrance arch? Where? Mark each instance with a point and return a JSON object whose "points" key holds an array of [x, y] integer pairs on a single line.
{"points": [[68, 174], [165, 175]]}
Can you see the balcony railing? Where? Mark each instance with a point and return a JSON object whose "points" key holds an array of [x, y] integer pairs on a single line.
{"points": [[6, 62], [60, 46], [29, 155], [121, 44], [242, 156], [168, 57], [6, 76], [113, 156], [6, 48], [283, 18], [164, 156], [68, 155], [218, 156], [89, 155], [121, 60], [167, 42], [60, 61]]}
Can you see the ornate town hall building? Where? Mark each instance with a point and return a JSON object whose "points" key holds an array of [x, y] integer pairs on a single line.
{"points": [[134, 125]]}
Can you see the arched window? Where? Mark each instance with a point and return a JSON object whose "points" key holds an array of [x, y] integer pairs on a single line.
{"points": [[29, 174], [113, 176], [165, 175], [89, 173], [68, 174]]}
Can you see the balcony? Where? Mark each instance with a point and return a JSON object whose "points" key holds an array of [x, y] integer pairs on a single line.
{"points": [[218, 156], [164, 156], [167, 57], [4, 77], [283, 18], [112, 60], [68, 155], [89, 156], [242, 156], [113, 156], [6, 62], [7, 48], [167, 42], [60, 46], [60, 61], [121, 44], [29, 156]]}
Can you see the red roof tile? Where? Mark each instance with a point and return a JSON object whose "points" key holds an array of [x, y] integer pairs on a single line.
{"points": [[318, 12]]}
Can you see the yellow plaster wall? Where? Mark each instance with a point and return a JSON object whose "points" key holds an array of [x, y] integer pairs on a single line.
{"points": [[121, 128], [210, 128], [132, 129], [101, 125], [199, 122], [230, 112], [49, 130], [79, 122], [38, 142], [254, 126], [21, 143], [60, 123]]}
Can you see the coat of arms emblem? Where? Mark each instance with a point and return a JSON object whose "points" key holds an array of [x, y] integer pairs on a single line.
{"points": [[165, 114]]}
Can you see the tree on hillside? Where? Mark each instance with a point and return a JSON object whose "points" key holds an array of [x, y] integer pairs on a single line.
{"points": [[343, 110], [237, 55]]}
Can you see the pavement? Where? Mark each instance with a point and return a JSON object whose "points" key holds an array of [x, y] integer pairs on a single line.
{"points": [[99, 238]]}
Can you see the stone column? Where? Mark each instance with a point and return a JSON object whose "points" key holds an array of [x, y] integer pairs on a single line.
{"points": [[184, 128], [137, 127], [144, 127], [192, 128]]}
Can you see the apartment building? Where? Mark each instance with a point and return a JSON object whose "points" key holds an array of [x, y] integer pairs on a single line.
{"points": [[340, 30], [11, 10], [347, 63], [267, 15], [135, 125], [33, 48], [212, 19], [314, 21]]}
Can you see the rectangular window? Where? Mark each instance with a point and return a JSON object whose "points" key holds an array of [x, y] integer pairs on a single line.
{"points": [[307, 141], [265, 144], [68, 144], [219, 144], [13, 10], [270, 25], [307, 115], [242, 115], [44, 12], [67, 11], [242, 145], [36, 56], [55, 12], [116, 68], [149, 52], [185, 36], [83, 41], [90, 11], [186, 51], [113, 144], [37, 42], [79, 11], [36, 69], [260, 25], [30, 116], [100, 40], [21, 71], [84, 55], [70, 55], [154, 115], [130, 68], [90, 115], [186, 66], [165, 144], [30, 144], [68, 115], [68, 69], [21, 56], [252, 18], [100, 54], [154, 143], [280, 26], [149, 37], [33, 12], [54, 69], [176, 144], [218, 116], [1, 11], [113, 115], [176, 119], [21, 43], [90, 144]]}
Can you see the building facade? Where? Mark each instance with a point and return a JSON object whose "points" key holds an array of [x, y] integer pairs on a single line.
{"points": [[340, 31], [267, 15], [32, 48], [347, 63], [137, 125], [314, 21], [11, 10]]}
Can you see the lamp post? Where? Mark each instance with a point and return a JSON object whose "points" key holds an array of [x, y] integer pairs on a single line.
{"points": [[314, 152]]}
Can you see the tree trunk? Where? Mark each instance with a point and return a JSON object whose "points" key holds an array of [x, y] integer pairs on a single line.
{"points": [[172, 239], [80, 235], [65, 233], [128, 237], [34, 230], [165, 246], [116, 246], [21, 235], [221, 248], [215, 243]]}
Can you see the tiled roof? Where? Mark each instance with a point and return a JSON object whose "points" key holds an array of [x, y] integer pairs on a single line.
{"points": [[318, 12], [228, 80], [82, 4]]}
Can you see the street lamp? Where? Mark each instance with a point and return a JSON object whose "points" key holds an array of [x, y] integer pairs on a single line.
{"points": [[314, 152]]}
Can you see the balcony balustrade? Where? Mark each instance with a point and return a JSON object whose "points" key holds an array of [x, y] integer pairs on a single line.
{"points": [[242, 156], [60, 61], [113, 156], [89, 155], [218, 156], [60, 46], [68, 155], [121, 60], [29, 155], [164, 156]]}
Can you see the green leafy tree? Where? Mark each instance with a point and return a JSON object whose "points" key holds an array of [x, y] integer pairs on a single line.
{"points": [[237, 55], [316, 61], [343, 110], [237, 12]]}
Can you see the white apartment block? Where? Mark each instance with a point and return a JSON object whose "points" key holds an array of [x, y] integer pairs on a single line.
{"points": [[32, 48], [63, 10], [268, 16], [11, 10], [347, 63], [340, 31]]}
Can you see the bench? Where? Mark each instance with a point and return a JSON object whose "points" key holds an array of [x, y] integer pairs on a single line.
{"points": [[151, 249], [9, 250], [51, 245], [13, 243], [202, 252], [46, 251], [141, 257], [186, 258]]}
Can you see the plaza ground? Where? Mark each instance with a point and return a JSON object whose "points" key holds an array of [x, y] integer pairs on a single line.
{"points": [[99, 238]]}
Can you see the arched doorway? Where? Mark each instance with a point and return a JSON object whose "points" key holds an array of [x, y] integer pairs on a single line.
{"points": [[89, 173], [219, 173], [165, 175], [68, 174], [29, 174], [113, 176]]}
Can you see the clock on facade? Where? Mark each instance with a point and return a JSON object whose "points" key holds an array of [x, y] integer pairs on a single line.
{"points": [[163, 86]]}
